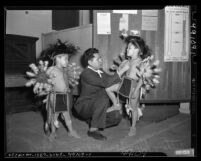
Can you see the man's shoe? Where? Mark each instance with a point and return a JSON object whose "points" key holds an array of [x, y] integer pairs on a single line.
{"points": [[96, 135]]}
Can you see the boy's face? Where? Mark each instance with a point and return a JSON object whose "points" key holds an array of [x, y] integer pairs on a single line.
{"points": [[132, 51], [96, 62], [63, 60]]}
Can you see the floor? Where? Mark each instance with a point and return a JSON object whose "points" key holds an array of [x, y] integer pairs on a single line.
{"points": [[24, 133]]}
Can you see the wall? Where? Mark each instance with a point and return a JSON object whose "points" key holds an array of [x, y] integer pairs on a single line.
{"points": [[29, 23]]}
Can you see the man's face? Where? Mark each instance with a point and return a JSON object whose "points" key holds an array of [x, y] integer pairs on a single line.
{"points": [[96, 62]]}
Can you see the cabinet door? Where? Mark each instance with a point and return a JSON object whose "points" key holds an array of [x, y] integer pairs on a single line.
{"points": [[20, 51]]}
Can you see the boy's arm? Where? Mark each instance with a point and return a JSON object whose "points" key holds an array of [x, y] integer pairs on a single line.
{"points": [[123, 68], [123, 63], [137, 89], [139, 85]]}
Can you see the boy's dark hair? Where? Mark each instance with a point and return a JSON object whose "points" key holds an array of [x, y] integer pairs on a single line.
{"points": [[139, 43], [88, 55]]}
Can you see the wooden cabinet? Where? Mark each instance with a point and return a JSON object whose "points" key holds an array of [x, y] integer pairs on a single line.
{"points": [[20, 51]]}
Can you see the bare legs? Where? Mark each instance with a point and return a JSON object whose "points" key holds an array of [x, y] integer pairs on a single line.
{"points": [[53, 128], [68, 122], [134, 105], [110, 91], [55, 124]]}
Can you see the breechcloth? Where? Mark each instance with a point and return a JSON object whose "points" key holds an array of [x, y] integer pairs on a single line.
{"points": [[127, 87], [56, 103]]}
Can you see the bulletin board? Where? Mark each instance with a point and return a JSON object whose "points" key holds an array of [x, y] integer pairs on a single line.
{"points": [[175, 78]]}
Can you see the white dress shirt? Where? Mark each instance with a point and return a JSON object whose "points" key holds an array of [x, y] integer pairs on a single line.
{"points": [[97, 71]]}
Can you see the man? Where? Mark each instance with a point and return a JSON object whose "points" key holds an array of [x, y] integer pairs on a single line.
{"points": [[94, 101]]}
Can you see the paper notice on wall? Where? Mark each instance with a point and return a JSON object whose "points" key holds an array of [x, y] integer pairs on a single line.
{"points": [[149, 23], [123, 23], [149, 12], [103, 23], [125, 11], [177, 34]]}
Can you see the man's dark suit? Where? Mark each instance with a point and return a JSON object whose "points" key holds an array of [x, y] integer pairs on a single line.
{"points": [[94, 101]]}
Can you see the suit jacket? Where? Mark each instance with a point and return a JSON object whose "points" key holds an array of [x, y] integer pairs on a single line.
{"points": [[93, 86]]}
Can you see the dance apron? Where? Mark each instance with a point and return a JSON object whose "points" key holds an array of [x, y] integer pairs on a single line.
{"points": [[56, 103], [127, 87]]}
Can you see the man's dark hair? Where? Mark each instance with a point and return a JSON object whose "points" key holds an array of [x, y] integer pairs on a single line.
{"points": [[88, 55]]}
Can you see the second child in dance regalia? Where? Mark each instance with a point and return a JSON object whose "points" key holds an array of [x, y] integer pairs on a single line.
{"points": [[54, 83], [58, 98], [138, 54]]}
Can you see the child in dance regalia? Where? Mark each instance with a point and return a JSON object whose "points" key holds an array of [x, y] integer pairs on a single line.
{"points": [[137, 79], [57, 101]]}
